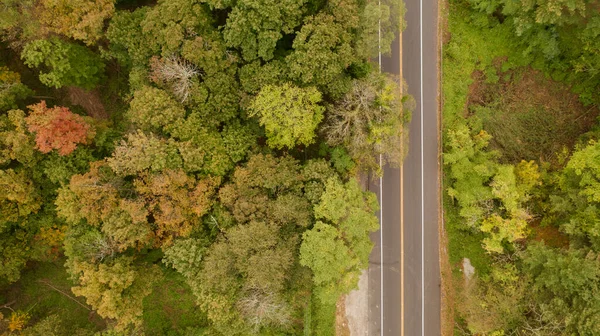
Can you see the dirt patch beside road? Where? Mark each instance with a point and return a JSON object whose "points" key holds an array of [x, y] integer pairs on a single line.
{"points": [[356, 308]]}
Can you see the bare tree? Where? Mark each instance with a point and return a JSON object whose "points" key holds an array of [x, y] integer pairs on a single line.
{"points": [[369, 120], [98, 247], [175, 72], [260, 309]]}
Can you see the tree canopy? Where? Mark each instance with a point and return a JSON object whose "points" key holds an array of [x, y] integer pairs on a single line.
{"points": [[167, 165]]}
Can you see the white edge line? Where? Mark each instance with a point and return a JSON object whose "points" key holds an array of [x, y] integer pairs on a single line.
{"points": [[422, 175], [380, 193]]}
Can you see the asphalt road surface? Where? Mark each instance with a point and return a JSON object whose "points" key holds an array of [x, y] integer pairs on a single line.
{"points": [[404, 276]]}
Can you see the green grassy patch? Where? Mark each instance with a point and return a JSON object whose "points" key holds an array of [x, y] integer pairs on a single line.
{"points": [[38, 293], [171, 308]]}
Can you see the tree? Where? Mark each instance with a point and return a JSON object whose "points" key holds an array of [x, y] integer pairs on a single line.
{"points": [[168, 24], [153, 110], [335, 269], [185, 256], [14, 253], [471, 168], [496, 304], [91, 196], [369, 120], [128, 43], [175, 201], [140, 151], [116, 290], [58, 128], [566, 285], [264, 309], [15, 142], [51, 326], [17, 22], [577, 202], [513, 226], [126, 227], [20, 196], [254, 76], [66, 63], [247, 269], [380, 22], [337, 248], [176, 73], [255, 27], [261, 255], [290, 114], [267, 189], [79, 19], [322, 51], [11, 89]]}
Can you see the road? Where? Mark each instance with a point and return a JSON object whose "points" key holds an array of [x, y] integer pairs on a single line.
{"points": [[404, 276]]}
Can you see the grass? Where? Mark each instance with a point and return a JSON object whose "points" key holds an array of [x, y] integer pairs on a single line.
{"points": [[171, 308], [37, 292]]}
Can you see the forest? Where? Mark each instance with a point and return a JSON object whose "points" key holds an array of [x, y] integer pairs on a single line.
{"points": [[192, 167], [521, 160]]}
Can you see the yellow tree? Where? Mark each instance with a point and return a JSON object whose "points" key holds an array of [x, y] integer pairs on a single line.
{"points": [[79, 19]]}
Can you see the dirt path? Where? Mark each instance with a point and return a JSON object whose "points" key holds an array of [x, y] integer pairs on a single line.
{"points": [[357, 308], [89, 100]]}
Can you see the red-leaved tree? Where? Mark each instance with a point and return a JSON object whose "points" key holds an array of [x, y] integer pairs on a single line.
{"points": [[57, 128]]}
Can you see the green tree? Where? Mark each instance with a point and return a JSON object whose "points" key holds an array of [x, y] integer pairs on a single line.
{"points": [[380, 22], [208, 150], [566, 286], [18, 24], [64, 63], [337, 248], [14, 253], [267, 189], [168, 24], [577, 203], [20, 196], [247, 269], [255, 27], [254, 75], [471, 168], [289, 114], [154, 110], [496, 304], [128, 44], [11, 89], [322, 51]]}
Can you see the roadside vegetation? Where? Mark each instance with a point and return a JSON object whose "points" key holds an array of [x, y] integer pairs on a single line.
{"points": [[521, 89], [189, 167]]}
